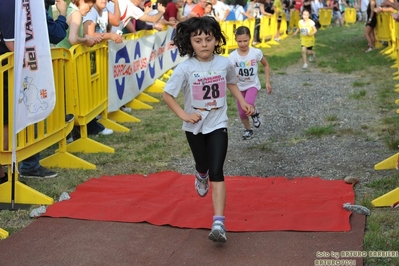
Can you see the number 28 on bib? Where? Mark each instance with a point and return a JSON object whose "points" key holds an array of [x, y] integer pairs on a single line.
{"points": [[208, 91]]}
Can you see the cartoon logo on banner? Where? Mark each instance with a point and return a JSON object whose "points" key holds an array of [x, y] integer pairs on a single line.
{"points": [[121, 70], [139, 65]]}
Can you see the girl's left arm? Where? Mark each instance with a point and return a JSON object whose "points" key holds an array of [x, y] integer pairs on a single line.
{"points": [[314, 30], [267, 74], [249, 109]]}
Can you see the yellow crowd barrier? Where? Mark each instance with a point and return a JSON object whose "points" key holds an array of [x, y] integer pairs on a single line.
{"points": [[325, 17], [90, 95], [388, 30], [350, 16], [228, 28], [268, 27], [294, 19], [385, 32], [33, 138]]}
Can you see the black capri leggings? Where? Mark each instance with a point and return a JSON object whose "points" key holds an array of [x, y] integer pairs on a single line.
{"points": [[209, 151]]}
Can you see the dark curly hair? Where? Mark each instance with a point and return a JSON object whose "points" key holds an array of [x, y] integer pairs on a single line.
{"points": [[196, 26]]}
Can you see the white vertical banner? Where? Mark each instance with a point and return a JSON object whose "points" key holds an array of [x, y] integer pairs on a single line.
{"points": [[34, 91]]}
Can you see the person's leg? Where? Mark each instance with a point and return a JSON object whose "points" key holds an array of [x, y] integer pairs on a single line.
{"points": [[197, 145], [93, 127], [250, 98], [241, 113], [244, 119], [305, 64], [277, 36], [369, 34], [31, 168], [30, 164], [217, 143], [309, 51], [372, 37]]}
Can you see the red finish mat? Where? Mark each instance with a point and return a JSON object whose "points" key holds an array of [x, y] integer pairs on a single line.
{"points": [[253, 203]]}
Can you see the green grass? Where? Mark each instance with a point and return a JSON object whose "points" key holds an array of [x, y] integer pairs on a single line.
{"points": [[157, 140], [357, 95], [319, 131]]}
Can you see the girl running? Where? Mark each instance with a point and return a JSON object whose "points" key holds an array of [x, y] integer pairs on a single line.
{"points": [[245, 60], [204, 78], [308, 30]]}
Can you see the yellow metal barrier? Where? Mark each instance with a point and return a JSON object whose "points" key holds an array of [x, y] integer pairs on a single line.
{"points": [[62, 72], [272, 30], [250, 23], [350, 16], [389, 29], [265, 31], [384, 32], [325, 17], [90, 95], [294, 19], [228, 28], [283, 27], [33, 138]]}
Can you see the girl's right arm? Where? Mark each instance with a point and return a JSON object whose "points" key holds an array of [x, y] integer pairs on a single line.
{"points": [[176, 108]]}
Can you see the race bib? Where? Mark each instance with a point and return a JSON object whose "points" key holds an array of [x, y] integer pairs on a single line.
{"points": [[208, 90]]}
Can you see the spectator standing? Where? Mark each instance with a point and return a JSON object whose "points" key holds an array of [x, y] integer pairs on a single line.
{"points": [[129, 9], [77, 9], [96, 22], [210, 12], [370, 26], [172, 16], [278, 9], [187, 7], [363, 9], [336, 10], [255, 9], [237, 12], [221, 9], [268, 7], [198, 10]]}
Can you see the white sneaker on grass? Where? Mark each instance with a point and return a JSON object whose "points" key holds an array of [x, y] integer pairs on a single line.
{"points": [[106, 131], [305, 66], [126, 109], [201, 185], [218, 232]]}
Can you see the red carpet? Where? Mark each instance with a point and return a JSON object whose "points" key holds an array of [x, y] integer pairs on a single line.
{"points": [[253, 203]]}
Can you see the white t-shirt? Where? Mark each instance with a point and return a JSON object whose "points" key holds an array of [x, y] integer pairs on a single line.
{"points": [[100, 20], [238, 10], [128, 11], [246, 68], [192, 77], [363, 5], [220, 9]]}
